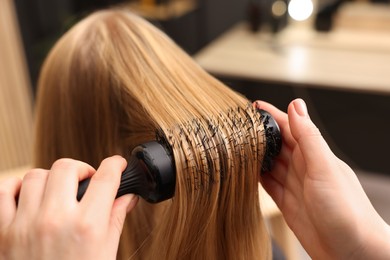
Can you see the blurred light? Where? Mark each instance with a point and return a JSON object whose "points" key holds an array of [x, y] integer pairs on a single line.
{"points": [[279, 8], [297, 62], [300, 10]]}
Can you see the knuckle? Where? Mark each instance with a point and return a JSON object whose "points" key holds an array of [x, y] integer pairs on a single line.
{"points": [[85, 230], [63, 163], [309, 134], [48, 226], [74, 228], [114, 159], [6, 186], [108, 167], [71, 165], [35, 174], [313, 131]]}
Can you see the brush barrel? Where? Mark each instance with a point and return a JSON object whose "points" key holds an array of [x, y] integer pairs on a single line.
{"points": [[158, 168]]}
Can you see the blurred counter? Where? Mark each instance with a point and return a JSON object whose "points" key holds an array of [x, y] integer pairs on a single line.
{"points": [[348, 59]]}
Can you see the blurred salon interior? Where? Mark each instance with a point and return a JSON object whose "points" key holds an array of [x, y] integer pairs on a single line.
{"points": [[335, 54]]}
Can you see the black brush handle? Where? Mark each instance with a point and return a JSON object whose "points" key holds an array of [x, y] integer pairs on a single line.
{"points": [[83, 185], [150, 173], [133, 180]]}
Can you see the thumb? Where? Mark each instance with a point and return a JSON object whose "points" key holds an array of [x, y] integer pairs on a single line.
{"points": [[121, 207], [314, 148]]}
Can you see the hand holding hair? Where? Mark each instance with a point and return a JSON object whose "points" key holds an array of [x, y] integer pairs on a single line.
{"points": [[320, 196], [49, 223]]}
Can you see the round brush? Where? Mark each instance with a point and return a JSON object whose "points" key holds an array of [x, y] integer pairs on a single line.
{"points": [[150, 172]]}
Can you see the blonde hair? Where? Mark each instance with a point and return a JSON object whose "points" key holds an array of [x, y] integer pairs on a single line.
{"points": [[111, 83]]}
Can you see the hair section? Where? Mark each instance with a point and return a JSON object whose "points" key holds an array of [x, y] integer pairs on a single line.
{"points": [[111, 83]]}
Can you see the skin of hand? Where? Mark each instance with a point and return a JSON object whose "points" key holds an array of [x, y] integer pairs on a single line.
{"points": [[47, 221], [319, 195]]}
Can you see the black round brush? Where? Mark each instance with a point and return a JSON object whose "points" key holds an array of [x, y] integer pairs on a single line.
{"points": [[150, 172]]}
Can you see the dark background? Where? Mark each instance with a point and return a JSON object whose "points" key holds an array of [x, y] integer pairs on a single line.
{"points": [[44, 21], [356, 125]]}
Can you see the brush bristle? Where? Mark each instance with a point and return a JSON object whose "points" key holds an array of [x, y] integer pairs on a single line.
{"points": [[209, 146]]}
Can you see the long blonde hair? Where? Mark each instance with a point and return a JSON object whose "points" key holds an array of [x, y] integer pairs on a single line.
{"points": [[111, 83]]}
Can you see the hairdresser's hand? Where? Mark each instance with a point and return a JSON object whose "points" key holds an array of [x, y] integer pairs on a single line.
{"points": [[320, 196], [49, 223]]}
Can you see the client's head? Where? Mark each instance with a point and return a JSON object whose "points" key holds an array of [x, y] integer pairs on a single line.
{"points": [[114, 81]]}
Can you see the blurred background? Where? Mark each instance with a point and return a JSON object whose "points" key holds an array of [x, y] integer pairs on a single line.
{"points": [[191, 23], [333, 53], [355, 120]]}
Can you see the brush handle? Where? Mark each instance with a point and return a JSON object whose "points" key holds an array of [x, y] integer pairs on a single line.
{"points": [[133, 180], [83, 185], [150, 173]]}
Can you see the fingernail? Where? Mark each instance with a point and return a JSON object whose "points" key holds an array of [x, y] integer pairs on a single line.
{"points": [[300, 107]]}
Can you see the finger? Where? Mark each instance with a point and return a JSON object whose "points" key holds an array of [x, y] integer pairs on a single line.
{"points": [[282, 120], [63, 179], [314, 148], [9, 189], [279, 172], [283, 194], [31, 193], [103, 188], [121, 207], [273, 188]]}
